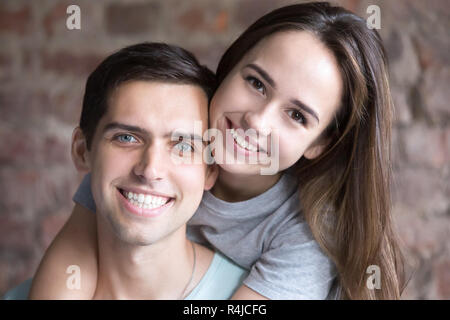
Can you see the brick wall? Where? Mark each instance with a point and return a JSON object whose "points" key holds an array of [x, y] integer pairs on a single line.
{"points": [[43, 69]]}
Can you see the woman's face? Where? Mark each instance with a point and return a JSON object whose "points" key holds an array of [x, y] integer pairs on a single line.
{"points": [[287, 89]]}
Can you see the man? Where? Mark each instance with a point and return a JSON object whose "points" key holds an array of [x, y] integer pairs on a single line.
{"points": [[137, 123]]}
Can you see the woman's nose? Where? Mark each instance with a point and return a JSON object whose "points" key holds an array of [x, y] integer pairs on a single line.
{"points": [[260, 120]]}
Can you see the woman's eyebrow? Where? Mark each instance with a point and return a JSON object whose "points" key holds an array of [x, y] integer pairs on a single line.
{"points": [[272, 83], [262, 73], [305, 108]]}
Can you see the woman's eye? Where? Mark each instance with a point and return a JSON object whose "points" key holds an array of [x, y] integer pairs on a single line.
{"points": [[297, 116], [126, 138], [255, 83], [184, 147]]}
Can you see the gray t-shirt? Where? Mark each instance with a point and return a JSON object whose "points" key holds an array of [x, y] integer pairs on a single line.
{"points": [[266, 235]]}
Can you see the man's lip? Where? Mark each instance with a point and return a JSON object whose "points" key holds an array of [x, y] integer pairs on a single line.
{"points": [[145, 191], [143, 212], [231, 125]]}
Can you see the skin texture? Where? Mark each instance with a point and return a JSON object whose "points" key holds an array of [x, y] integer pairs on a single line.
{"points": [[134, 248], [148, 160], [248, 101], [133, 259], [302, 69]]}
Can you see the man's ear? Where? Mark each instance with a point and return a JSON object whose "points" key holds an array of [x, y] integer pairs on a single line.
{"points": [[211, 176], [80, 153], [316, 149]]}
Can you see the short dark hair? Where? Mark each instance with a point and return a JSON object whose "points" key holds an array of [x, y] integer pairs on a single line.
{"points": [[144, 61]]}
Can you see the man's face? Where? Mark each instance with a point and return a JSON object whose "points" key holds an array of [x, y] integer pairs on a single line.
{"points": [[137, 184]]}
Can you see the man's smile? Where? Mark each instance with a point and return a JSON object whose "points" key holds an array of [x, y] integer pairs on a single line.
{"points": [[144, 203]]}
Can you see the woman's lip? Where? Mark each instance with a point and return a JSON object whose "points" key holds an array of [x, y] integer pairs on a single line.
{"points": [[146, 213], [229, 126], [240, 149]]}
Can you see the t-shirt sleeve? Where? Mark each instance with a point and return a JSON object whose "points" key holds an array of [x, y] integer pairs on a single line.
{"points": [[293, 267], [83, 195]]}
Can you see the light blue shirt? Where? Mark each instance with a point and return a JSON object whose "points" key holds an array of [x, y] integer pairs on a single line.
{"points": [[220, 281]]}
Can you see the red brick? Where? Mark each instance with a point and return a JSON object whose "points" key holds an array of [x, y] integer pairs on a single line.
{"points": [[31, 192], [435, 94], [193, 19], [5, 61], [352, 5], [51, 225], [248, 11], [221, 21], [426, 146], [17, 146], [16, 267], [66, 62], [5, 276], [17, 21], [15, 234], [38, 104], [23, 146], [55, 17], [425, 237], [421, 191], [425, 54], [132, 18], [442, 272]]}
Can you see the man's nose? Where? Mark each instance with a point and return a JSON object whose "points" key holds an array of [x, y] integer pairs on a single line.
{"points": [[152, 165]]}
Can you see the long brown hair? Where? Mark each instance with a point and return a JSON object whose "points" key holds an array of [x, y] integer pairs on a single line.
{"points": [[345, 192]]}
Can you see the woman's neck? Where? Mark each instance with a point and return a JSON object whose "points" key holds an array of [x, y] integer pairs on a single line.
{"points": [[234, 187]]}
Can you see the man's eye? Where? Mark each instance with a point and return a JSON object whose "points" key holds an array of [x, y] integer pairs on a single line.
{"points": [[297, 116], [126, 138], [255, 83], [184, 147]]}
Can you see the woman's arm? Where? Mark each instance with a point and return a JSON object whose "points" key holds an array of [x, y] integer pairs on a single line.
{"points": [[245, 293], [75, 245]]}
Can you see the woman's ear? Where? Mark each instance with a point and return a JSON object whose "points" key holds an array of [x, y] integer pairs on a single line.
{"points": [[80, 153], [212, 171]]}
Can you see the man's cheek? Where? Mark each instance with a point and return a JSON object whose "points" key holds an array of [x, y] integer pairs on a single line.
{"points": [[191, 177]]}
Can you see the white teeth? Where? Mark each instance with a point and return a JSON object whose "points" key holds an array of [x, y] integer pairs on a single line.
{"points": [[145, 201], [241, 141]]}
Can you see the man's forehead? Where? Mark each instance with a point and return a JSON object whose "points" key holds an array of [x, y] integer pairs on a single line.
{"points": [[160, 108], [160, 95]]}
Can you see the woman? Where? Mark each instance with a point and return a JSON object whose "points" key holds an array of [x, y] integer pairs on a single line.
{"points": [[313, 78]]}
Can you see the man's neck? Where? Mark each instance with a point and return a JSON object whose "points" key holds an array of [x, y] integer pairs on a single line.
{"points": [[156, 271]]}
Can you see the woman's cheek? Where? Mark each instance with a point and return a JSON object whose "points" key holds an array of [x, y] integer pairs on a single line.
{"points": [[290, 151]]}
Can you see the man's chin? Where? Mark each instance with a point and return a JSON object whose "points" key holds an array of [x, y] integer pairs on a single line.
{"points": [[129, 235]]}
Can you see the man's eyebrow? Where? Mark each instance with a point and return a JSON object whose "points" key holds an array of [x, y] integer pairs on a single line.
{"points": [[122, 126], [305, 108], [262, 73]]}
